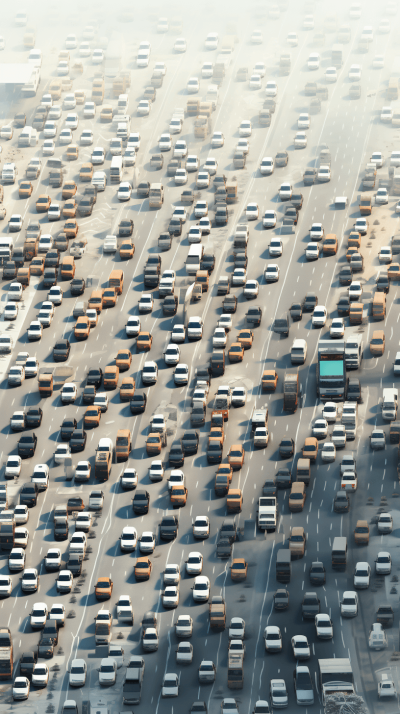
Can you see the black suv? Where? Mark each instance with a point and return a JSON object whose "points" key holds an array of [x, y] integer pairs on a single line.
{"points": [[33, 417], [77, 286], [190, 442], [61, 350], [28, 495], [27, 445], [67, 428], [169, 528], [95, 376], [137, 405]]}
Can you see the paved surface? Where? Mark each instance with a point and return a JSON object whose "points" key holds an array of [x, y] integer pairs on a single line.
{"points": [[352, 131]]}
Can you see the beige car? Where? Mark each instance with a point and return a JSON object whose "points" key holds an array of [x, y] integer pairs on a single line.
{"points": [[297, 542]]}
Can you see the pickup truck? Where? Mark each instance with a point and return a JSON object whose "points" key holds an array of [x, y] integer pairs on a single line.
{"points": [[132, 687]]}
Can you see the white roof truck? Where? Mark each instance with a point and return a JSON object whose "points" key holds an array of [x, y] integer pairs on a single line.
{"points": [[389, 404], [335, 677], [267, 513]]}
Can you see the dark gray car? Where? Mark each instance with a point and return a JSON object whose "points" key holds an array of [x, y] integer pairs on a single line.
{"points": [[317, 573], [341, 502], [310, 606], [281, 599], [169, 527], [282, 325]]}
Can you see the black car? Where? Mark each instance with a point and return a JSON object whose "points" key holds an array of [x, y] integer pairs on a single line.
{"points": [[175, 227], [281, 599], [170, 305], [383, 283], [77, 441], [138, 403], [48, 639], [385, 615], [89, 394], [317, 573], [354, 390], [228, 530], [310, 302], [343, 306], [28, 495], [33, 417], [345, 275], [224, 548], [207, 262], [74, 563], [269, 488], [52, 259], [176, 454], [49, 277], [296, 311], [282, 325], [169, 527], [297, 200], [141, 501], [198, 708], [10, 270], [95, 376], [198, 416], [396, 244], [229, 304], [86, 205], [61, 350], [19, 256], [286, 448], [61, 530], [214, 451], [283, 478], [125, 228], [310, 606], [77, 286], [190, 442], [254, 315], [282, 158], [67, 428], [27, 445], [27, 664], [143, 189], [341, 502]]}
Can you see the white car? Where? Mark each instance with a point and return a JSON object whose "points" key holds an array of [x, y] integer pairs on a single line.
{"points": [[69, 393], [184, 626], [236, 628], [146, 302], [260, 68], [201, 588], [272, 638], [21, 514], [49, 147], [13, 466], [323, 626], [320, 429], [377, 159], [269, 219], [386, 687], [78, 673], [201, 527], [385, 523], [285, 192], [108, 671], [129, 478], [278, 694], [170, 684], [38, 615], [211, 165], [361, 225], [156, 470], [175, 125], [40, 476], [238, 396], [181, 374], [170, 596], [386, 114], [144, 108], [377, 639], [52, 560], [147, 542], [339, 436], [319, 316], [267, 166], [251, 289], [72, 121], [89, 110], [165, 142], [383, 563], [316, 232], [255, 81], [314, 61], [180, 45], [172, 354], [219, 337], [385, 254], [54, 212], [301, 647], [128, 539], [349, 604], [35, 331], [362, 575], [134, 141], [133, 326], [217, 140], [225, 321], [312, 251], [10, 311], [328, 452], [195, 328], [178, 334], [205, 225], [200, 210], [181, 177], [61, 453], [180, 149], [252, 211], [21, 688], [355, 290], [40, 675], [64, 138], [324, 173], [150, 373], [116, 147], [243, 146], [329, 412], [355, 73], [50, 129], [207, 70], [172, 574], [30, 580], [304, 121], [245, 128], [194, 563], [349, 481], [193, 85], [275, 248], [271, 89], [239, 277], [337, 327], [124, 191], [203, 179], [16, 560], [382, 196], [331, 74], [300, 140], [110, 244], [98, 156]]}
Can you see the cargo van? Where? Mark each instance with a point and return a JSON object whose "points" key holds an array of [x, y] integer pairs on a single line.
{"points": [[116, 169], [298, 353], [339, 553], [392, 91], [379, 306], [283, 566], [194, 258], [304, 470], [28, 137], [116, 280]]}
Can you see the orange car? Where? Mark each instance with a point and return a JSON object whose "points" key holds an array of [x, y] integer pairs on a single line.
{"points": [[103, 589], [394, 271], [126, 250], [354, 240], [225, 470], [330, 244], [25, 189], [127, 389], [109, 297], [234, 500], [245, 338], [43, 203], [144, 342], [72, 152], [239, 569], [37, 265], [111, 375], [269, 380], [352, 250], [178, 495], [69, 189], [71, 228], [92, 417], [153, 444], [236, 456], [123, 359], [86, 172], [310, 448], [69, 208], [377, 343], [82, 328], [143, 568], [236, 352]]}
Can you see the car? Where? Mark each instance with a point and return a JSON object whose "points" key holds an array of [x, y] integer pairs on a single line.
{"points": [[201, 588], [170, 683], [320, 429], [301, 648], [337, 327], [201, 527], [362, 575], [78, 673], [323, 626], [349, 604], [319, 316], [21, 688], [278, 694], [273, 638], [377, 639], [107, 671], [383, 563], [236, 628]]}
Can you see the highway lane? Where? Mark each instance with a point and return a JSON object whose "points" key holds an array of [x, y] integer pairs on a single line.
{"points": [[237, 426]]}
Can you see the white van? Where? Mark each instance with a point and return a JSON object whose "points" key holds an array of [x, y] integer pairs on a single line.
{"points": [[28, 137], [116, 169], [193, 259], [100, 180]]}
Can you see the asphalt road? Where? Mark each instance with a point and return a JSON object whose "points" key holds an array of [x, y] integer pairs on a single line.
{"points": [[352, 130]]}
